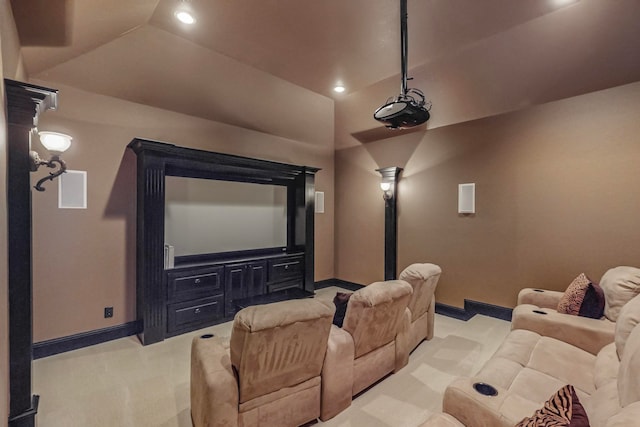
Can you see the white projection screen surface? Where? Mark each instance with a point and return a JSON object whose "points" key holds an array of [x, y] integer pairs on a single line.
{"points": [[208, 216]]}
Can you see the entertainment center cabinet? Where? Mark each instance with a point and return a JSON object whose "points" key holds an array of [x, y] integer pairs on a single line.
{"points": [[205, 289]]}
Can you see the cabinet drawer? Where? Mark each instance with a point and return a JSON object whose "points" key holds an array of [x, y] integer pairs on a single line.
{"points": [[193, 313], [280, 286], [187, 284], [285, 269]]}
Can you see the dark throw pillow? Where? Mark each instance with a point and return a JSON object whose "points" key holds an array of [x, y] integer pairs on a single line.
{"points": [[562, 409], [593, 303], [340, 300]]}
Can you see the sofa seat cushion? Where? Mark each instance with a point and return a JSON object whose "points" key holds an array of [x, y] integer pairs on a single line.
{"points": [[535, 367]]}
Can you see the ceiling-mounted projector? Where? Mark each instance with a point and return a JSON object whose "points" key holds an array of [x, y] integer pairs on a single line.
{"points": [[407, 109], [403, 112]]}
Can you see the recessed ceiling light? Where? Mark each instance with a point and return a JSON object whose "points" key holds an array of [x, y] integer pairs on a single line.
{"points": [[185, 17], [339, 88]]}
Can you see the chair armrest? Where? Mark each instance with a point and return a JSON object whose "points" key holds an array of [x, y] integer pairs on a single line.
{"points": [[474, 409], [585, 333], [403, 341], [540, 297], [214, 388], [337, 374]]}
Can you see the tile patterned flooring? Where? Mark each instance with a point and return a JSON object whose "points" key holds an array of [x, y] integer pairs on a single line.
{"points": [[123, 384]]}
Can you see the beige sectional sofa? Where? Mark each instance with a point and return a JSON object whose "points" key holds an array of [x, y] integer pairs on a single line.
{"points": [[528, 368]]}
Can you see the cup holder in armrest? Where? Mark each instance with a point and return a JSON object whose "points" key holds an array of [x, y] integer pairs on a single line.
{"points": [[206, 336], [485, 389], [539, 312], [538, 290]]}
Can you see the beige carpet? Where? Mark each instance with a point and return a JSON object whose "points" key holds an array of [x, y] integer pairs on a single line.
{"points": [[121, 383]]}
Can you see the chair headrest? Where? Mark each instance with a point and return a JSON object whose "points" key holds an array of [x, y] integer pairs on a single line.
{"points": [[619, 284], [420, 271]]}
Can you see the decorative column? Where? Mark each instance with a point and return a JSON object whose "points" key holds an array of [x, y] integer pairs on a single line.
{"points": [[25, 102], [389, 185]]}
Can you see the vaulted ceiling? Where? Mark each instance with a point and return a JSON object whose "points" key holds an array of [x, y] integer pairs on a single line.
{"points": [[270, 65]]}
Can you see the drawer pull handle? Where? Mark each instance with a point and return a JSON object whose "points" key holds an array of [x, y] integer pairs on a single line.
{"points": [[197, 311], [197, 281]]}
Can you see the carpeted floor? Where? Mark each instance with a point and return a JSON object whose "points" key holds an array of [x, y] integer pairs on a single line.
{"points": [[123, 384]]}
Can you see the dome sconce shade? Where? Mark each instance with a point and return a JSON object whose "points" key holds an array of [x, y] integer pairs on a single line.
{"points": [[56, 143]]}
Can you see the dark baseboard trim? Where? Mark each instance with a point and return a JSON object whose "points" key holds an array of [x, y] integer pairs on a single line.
{"points": [[451, 311], [471, 308], [497, 311], [84, 339], [339, 283]]}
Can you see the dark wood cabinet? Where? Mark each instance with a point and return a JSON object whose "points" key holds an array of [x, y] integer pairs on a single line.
{"points": [[243, 280], [204, 289], [205, 292]]}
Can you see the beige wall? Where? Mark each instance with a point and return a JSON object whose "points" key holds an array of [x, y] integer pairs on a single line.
{"points": [[84, 260], [556, 195]]}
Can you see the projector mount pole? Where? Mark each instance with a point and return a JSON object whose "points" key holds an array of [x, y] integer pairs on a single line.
{"points": [[404, 49]]}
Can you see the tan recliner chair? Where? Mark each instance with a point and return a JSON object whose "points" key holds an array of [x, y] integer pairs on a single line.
{"points": [[423, 278], [536, 311], [372, 343], [270, 376]]}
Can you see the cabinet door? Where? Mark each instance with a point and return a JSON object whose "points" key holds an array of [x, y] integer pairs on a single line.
{"points": [[256, 278], [235, 286]]}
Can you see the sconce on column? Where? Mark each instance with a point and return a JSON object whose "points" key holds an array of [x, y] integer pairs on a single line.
{"points": [[386, 187], [389, 185], [56, 143]]}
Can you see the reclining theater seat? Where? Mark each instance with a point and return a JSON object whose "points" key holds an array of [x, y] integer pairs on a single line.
{"points": [[536, 311], [371, 343], [271, 375], [423, 278], [528, 369]]}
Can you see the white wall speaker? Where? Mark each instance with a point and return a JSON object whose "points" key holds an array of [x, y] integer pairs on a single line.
{"points": [[467, 198], [72, 190], [319, 201]]}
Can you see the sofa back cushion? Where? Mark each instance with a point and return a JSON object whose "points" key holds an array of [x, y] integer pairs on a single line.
{"points": [[374, 314], [627, 320], [619, 284], [423, 278], [279, 345], [629, 373]]}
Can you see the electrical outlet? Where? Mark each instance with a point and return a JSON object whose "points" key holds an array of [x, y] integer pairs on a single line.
{"points": [[108, 312]]}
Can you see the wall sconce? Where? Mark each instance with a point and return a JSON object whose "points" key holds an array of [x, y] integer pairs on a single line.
{"points": [[56, 144], [386, 187]]}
